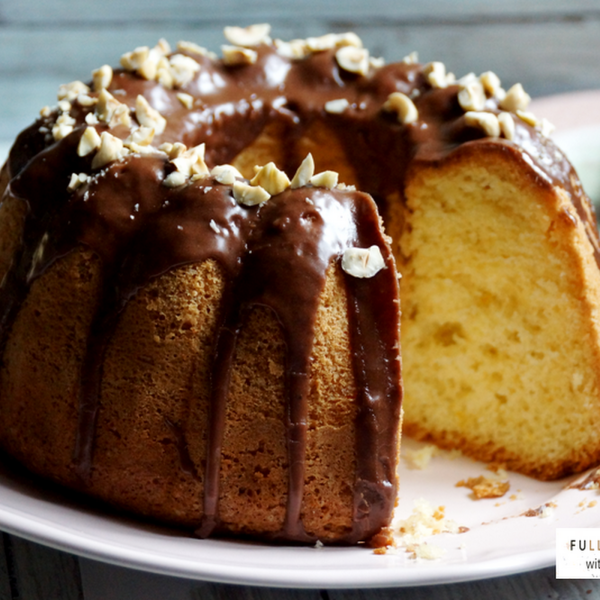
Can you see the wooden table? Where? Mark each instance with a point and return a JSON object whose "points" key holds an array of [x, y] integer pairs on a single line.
{"points": [[550, 46], [32, 572]]}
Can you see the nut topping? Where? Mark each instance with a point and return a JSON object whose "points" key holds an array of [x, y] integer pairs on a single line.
{"points": [[326, 179], [403, 106], [132, 61], [363, 262], [111, 148], [148, 116], [70, 91], [183, 69], [85, 100], [304, 173], [108, 107], [91, 119], [253, 35], [516, 99], [236, 55], [63, 126], [174, 179], [411, 59], [352, 59], [527, 117], [77, 180], [89, 141], [191, 162], [337, 106], [333, 40], [507, 125], [192, 48], [488, 122], [435, 72], [141, 136], [491, 83], [102, 77], [226, 174], [271, 179], [249, 195], [186, 99], [472, 96], [294, 49]]}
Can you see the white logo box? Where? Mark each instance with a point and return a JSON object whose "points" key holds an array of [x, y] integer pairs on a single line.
{"points": [[578, 553]]}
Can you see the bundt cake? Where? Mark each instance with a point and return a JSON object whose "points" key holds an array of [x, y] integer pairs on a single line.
{"points": [[215, 344]]}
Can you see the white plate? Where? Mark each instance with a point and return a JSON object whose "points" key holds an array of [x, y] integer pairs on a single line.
{"points": [[499, 540]]}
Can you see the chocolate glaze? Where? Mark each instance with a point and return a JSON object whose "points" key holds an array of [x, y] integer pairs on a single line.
{"points": [[274, 255]]}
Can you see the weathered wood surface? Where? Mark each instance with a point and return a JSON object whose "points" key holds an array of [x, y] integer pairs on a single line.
{"points": [[59, 576]]}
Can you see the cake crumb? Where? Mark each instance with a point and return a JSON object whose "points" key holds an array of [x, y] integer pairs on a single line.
{"points": [[591, 482], [419, 459], [486, 487], [544, 511], [424, 521]]}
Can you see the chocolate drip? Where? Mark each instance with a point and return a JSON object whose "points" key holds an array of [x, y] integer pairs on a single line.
{"points": [[297, 236]]}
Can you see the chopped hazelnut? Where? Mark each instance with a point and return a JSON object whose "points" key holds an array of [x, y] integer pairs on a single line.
{"points": [[106, 106], [191, 162], [491, 83], [304, 173], [63, 126], [111, 148], [192, 48], [252, 35], [337, 106], [411, 59], [142, 136], [352, 59], [527, 117], [226, 174], [91, 119], [363, 262], [271, 179], [472, 96], [70, 91], [435, 72], [173, 150], [488, 122], [148, 116], [102, 77], [89, 141], [249, 195], [85, 100], [403, 106], [236, 55], [186, 99], [77, 180], [333, 40], [120, 117], [293, 49], [326, 179], [516, 99], [507, 125], [174, 179], [132, 61], [183, 69]]}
